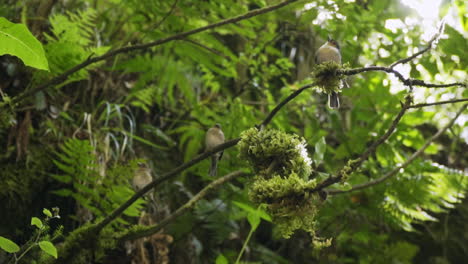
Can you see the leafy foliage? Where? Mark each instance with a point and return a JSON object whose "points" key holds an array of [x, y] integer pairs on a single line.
{"points": [[79, 166], [71, 43], [155, 104]]}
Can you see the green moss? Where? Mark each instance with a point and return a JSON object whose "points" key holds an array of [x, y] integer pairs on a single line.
{"points": [[274, 189], [326, 77], [282, 182], [273, 151], [288, 201], [345, 172]]}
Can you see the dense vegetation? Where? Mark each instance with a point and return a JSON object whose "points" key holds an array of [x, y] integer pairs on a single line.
{"points": [[105, 105]]}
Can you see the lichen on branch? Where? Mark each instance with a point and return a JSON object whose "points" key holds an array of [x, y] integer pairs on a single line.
{"points": [[282, 168]]}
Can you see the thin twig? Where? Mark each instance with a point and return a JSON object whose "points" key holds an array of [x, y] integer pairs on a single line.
{"points": [[432, 85], [214, 51], [147, 231], [63, 77], [353, 165], [165, 16], [405, 81], [428, 47], [440, 103], [283, 103], [406, 163]]}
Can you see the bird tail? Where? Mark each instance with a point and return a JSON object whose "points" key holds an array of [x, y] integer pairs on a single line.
{"points": [[333, 100], [214, 165], [345, 84]]}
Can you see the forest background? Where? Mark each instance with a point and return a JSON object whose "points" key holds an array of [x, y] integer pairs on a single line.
{"points": [[98, 95]]}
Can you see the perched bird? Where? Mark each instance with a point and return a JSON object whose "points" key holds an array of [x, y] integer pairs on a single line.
{"points": [[214, 137], [142, 176], [330, 51]]}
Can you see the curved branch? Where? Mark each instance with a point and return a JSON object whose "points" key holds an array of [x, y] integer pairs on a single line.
{"points": [[147, 231], [406, 163], [354, 164], [162, 179], [283, 103], [429, 46], [189, 164], [63, 77], [405, 81]]}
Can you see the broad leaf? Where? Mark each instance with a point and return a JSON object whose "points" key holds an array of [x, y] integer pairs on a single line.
{"points": [[48, 248], [36, 222], [8, 245], [18, 41]]}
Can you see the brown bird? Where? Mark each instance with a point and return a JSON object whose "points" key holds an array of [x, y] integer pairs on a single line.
{"points": [[214, 137], [142, 176], [330, 51]]}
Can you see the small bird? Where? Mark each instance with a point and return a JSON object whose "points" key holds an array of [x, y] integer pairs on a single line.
{"points": [[214, 137], [142, 176], [330, 51]]}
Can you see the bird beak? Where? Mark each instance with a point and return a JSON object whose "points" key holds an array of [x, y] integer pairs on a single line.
{"points": [[329, 38]]}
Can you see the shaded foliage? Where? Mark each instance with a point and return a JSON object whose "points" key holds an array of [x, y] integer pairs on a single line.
{"points": [[85, 139]]}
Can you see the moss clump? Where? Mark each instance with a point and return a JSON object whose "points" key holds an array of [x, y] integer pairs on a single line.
{"points": [[288, 201], [282, 183], [326, 77], [273, 150], [274, 190]]}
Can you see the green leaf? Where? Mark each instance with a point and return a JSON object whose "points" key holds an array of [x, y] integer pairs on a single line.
{"points": [[37, 222], [320, 148], [8, 245], [18, 41], [259, 212], [254, 220], [47, 212], [221, 259], [48, 248]]}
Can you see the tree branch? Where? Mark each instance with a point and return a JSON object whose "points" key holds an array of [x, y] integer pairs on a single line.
{"points": [[429, 46], [147, 231], [352, 165], [63, 77], [405, 81], [440, 103], [214, 51], [283, 103], [406, 163], [162, 179]]}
